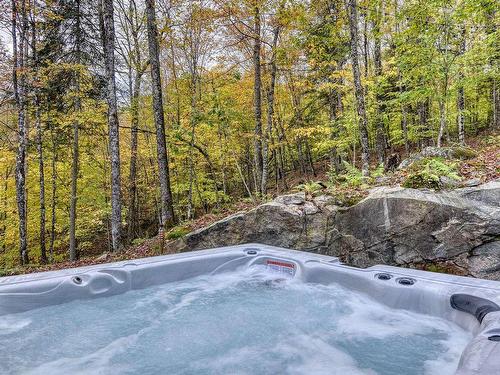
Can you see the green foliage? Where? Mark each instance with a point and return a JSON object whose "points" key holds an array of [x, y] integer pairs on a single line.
{"points": [[310, 187], [378, 172], [493, 140], [138, 241], [463, 152], [10, 271], [436, 268], [347, 197], [177, 232], [427, 173], [211, 126], [350, 176]]}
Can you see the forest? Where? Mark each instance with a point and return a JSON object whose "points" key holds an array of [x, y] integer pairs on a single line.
{"points": [[121, 119]]}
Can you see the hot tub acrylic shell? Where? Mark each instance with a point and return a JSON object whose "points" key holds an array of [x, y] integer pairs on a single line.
{"points": [[399, 288]]}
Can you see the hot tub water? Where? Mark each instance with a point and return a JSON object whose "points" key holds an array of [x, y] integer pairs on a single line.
{"points": [[244, 322]]}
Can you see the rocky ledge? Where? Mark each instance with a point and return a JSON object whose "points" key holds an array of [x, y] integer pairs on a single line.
{"points": [[456, 231]]}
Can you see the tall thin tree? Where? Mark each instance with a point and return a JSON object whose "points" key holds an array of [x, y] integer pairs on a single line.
{"points": [[73, 254], [108, 31], [132, 24], [39, 131], [19, 85], [257, 97], [270, 111], [379, 123], [167, 216], [352, 10], [461, 94]]}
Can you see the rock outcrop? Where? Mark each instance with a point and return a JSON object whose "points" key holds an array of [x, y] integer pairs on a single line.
{"points": [[456, 152], [393, 225]]}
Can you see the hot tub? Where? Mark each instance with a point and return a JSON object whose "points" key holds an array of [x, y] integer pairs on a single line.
{"points": [[247, 309]]}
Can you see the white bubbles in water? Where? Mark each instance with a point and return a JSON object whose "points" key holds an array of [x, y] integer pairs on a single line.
{"points": [[245, 322], [11, 324]]}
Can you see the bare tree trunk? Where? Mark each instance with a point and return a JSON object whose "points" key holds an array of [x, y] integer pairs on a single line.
{"points": [[461, 96], [193, 57], [39, 135], [461, 115], [53, 195], [309, 157], [73, 254], [365, 43], [423, 116], [360, 97], [167, 210], [379, 124], [404, 107], [19, 86], [134, 128], [332, 114], [442, 113], [39, 140], [281, 150], [4, 213], [133, 24], [177, 91], [257, 98], [335, 108], [404, 126], [114, 134], [491, 28], [404, 115], [496, 104], [270, 114]]}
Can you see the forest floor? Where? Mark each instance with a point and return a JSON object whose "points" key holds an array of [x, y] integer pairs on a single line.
{"points": [[483, 167]]}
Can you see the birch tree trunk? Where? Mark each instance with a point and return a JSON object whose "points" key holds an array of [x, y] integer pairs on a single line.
{"points": [[114, 138], [19, 86], [442, 112], [167, 210], [461, 96], [360, 97]]}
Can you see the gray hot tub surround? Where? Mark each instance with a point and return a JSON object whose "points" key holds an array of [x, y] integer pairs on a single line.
{"points": [[471, 303]]}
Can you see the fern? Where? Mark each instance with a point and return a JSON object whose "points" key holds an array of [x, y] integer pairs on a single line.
{"points": [[427, 173]]}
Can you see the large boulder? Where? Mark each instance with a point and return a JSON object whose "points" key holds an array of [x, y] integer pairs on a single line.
{"points": [[410, 227], [393, 225], [288, 221], [455, 152], [488, 193]]}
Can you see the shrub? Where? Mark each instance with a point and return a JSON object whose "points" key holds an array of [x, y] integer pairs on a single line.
{"points": [[177, 232], [348, 197], [493, 140], [350, 176], [427, 173], [138, 241], [378, 172], [310, 188], [463, 152]]}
